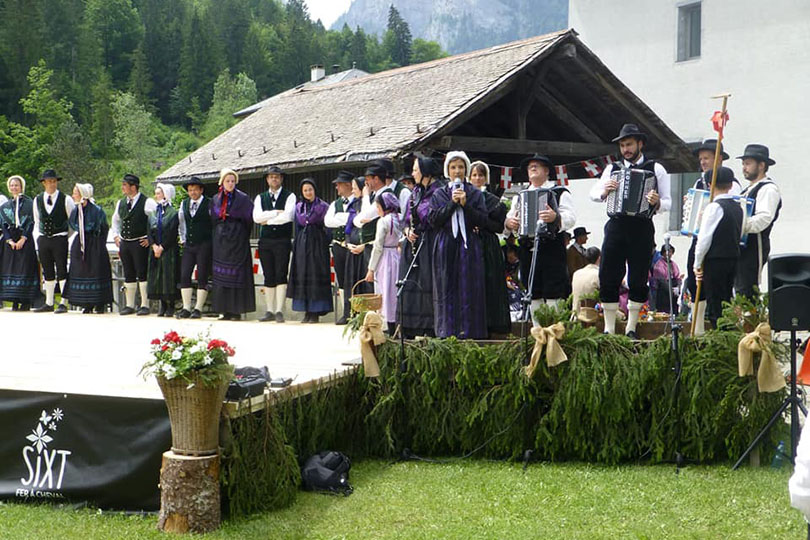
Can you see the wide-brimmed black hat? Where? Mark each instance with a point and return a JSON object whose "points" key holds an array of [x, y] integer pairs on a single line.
{"points": [[581, 231], [343, 177], [386, 164], [275, 169], [552, 171], [193, 181], [759, 152], [725, 176], [376, 169], [711, 146], [630, 130], [132, 180], [49, 173]]}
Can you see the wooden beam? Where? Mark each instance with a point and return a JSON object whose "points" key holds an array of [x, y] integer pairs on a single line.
{"points": [[514, 146], [565, 115]]}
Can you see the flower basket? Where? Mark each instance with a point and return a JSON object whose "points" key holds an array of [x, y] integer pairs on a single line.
{"points": [[365, 301]]}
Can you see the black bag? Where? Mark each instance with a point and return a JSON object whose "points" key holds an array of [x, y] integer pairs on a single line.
{"points": [[247, 382], [327, 471]]}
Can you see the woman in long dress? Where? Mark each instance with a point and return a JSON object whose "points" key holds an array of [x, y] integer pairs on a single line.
{"points": [[164, 252], [232, 271], [383, 267], [497, 298], [89, 283], [458, 262], [19, 268], [356, 260], [310, 283]]}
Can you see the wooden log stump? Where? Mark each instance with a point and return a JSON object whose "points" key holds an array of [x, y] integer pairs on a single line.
{"points": [[189, 493]]}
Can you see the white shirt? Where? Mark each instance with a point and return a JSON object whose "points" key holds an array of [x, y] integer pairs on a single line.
{"points": [[274, 217], [661, 175], [736, 189], [712, 215], [335, 219], [149, 208], [584, 282], [768, 199], [69, 206], [565, 207], [192, 209], [368, 210]]}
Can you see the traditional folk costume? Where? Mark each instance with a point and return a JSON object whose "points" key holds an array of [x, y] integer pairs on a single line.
{"points": [[310, 282], [662, 297], [458, 260], [575, 254], [629, 242], [384, 261], [275, 211], [51, 212], [164, 271], [196, 233], [356, 265], [19, 269], [130, 223], [89, 283], [232, 271], [417, 294], [718, 250], [399, 189], [551, 279], [767, 205], [335, 220]]}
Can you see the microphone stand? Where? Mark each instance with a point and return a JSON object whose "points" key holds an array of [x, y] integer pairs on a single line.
{"points": [[400, 288], [525, 315], [675, 330]]}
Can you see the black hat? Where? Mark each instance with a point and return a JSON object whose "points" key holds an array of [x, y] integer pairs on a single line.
{"points": [[376, 169], [343, 177], [275, 169], [49, 173], [759, 152], [630, 130], [193, 181], [386, 164], [552, 171], [308, 181], [361, 181], [429, 167], [711, 146], [406, 177], [725, 176], [580, 231], [132, 180]]}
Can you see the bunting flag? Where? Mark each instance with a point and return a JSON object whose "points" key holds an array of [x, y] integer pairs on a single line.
{"points": [[506, 177], [609, 160], [719, 121], [591, 168], [562, 175]]}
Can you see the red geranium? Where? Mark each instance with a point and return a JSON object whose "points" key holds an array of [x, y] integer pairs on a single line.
{"points": [[164, 348], [156, 341], [214, 343]]}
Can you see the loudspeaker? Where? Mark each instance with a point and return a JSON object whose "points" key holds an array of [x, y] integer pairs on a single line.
{"points": [[789, 287]]}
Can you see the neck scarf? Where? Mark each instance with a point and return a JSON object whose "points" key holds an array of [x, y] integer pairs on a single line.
{"points": [[161, 209], [226, 198], [81, 226]]}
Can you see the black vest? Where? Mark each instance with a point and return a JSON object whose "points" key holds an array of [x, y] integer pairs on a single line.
{"points": [[369, 230], [275, 231], [726, 237], [199, 228], [339, 233], [57, 221], [133, 223], [766, 233]]}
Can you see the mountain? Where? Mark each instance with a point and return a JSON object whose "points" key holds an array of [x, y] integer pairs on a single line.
{"points": [[462, 25]]}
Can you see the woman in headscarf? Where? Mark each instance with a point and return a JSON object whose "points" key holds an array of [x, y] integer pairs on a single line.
{"points": [[383, 266], [310, 284], [356, 260], [164, 253], [232, 272], [458, 263], [19, 269], [497, 299], [89, 283]]}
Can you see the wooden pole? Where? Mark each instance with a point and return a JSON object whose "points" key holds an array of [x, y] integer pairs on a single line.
{"points": [[717, 153]]}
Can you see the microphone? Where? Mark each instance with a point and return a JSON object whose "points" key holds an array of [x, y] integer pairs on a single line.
{"points": [[667, 238]]}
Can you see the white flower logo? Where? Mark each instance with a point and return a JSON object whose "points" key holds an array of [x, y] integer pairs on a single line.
{"points": [[40, 438], [52, 426], [58, 414], [44, 418]]}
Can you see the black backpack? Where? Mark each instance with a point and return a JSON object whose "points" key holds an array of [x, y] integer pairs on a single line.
{"points": [[327, 471]]}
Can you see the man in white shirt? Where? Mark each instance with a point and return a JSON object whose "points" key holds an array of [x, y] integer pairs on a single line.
{"points": [[756, 161], [274, 210], [196, 234], [52, 209], [336, 218], [629, 240]]}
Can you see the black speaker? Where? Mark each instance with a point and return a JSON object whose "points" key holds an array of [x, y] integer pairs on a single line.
{"points": [[789, 288]]}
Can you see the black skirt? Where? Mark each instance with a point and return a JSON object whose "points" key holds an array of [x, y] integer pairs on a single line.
{"points": [[497, 300], [310, 284], [89, 282], [417, 296], [19, 273], [232, 279]]}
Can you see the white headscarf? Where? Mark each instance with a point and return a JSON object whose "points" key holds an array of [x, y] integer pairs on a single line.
{"points": [[457, 220], [456, 155], [225, 172], [486, 172], [168, 192], [17, 198], [86, 193]]}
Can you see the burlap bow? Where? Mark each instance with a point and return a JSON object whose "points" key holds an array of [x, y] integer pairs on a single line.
{"points": [[769, 376], [547, 337], [371, 335]]}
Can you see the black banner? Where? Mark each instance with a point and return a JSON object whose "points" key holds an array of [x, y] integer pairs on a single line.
{"points": [[102, 450]]}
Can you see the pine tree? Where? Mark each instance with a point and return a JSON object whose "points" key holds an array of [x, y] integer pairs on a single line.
{"points": [[398, 38], [118, 29], [140, 80]]}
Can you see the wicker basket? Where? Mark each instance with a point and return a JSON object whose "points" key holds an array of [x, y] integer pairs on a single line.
{"points": [[193, 414], [365, 301]]}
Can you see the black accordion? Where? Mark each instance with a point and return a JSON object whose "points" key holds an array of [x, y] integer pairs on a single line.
{"points": [[630, 197], [530, 203]]}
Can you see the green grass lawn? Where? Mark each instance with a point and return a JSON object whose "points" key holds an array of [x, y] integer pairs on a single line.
{"points": [[481, 499]]}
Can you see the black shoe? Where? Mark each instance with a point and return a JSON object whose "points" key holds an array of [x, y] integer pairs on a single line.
{"points": [[268, 316], [195, 314], [101, 308], [632, 335], [61, 308], [25, 306], [236, 317], [162, 311], [126, 311], [306, 318], [15, 306], [279, 317], [169, 310], [315, 319], [183, 314], [44, 308], [87, 310], [342, 321], [143, 311]]}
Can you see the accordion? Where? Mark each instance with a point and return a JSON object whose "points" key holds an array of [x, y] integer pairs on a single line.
{"points": [[696, 202], [630, 197], [530, 203]]}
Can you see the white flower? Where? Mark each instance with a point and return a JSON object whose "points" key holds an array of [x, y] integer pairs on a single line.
{"points": [[39, 438], [58, 414], [177, 354], [207, 360], [170, 372], [44, 418], [52, 426]]}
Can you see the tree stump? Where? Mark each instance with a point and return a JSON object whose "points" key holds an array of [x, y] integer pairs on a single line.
{"points": [[189, 493]]}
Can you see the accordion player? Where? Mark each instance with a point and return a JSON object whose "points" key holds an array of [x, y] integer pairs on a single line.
{"points": [[630, 197]]}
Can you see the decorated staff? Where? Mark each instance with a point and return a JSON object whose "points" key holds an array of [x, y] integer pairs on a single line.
{"points": [[196, 231]]}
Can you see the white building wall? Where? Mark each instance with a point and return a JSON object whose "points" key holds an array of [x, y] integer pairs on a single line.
{"points": [[758, 51]]}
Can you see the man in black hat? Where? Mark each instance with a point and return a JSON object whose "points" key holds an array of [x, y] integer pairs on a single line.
{"points": [[375, 174], [576, 253], [756, 161], [130, 222], [196, 232], [274, 210], [551, 282], [718, 249], [336, 218], [398, 188], [629, 240], [52, 209]]}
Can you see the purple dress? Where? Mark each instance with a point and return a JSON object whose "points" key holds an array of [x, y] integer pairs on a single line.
{"points": [[310, 284], [232, 272], [458, 264], [385, 263]]}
